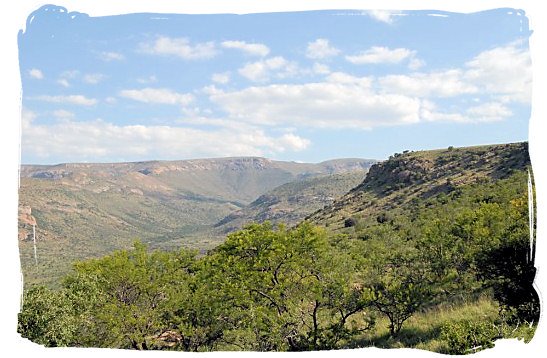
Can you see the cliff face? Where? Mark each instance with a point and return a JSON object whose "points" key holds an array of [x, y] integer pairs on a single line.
{"points": [[412, 168]]}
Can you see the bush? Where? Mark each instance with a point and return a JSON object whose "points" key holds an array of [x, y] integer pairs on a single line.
{"points": [[468, 336], [509, 268], [47, 317], [350, 222], [382, 218]]}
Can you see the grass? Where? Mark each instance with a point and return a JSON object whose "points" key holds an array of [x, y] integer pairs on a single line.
{"points": [[422, 331]]}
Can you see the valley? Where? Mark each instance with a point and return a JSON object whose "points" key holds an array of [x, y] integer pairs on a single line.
{"points": [[89, 210]]}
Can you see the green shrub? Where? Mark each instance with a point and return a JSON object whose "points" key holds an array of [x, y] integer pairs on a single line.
{"points": [[468, 336]]}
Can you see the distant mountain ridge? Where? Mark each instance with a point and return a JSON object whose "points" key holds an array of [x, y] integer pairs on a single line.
{"points": [[237, 179], [158, 166]]}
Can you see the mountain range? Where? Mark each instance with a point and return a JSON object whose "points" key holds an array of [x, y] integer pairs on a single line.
{"points": [[85, 210]]}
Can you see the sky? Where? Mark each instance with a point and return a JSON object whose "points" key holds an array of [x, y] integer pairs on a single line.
{"points": [[300, 86]]}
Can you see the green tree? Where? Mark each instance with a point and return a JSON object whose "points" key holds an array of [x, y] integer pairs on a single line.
{"points": [[287, 290], [124, 298], [400, 287], [47, 317], [398, 280], [508, 267]]}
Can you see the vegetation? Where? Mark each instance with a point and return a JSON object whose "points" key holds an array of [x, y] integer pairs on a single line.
{"points": [[280, 289], [445, 270]]}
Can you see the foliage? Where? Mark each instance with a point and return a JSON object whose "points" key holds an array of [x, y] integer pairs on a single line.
{"points": [[399, 290], [124, 297], [509, 268], [289, 284], [349, 222], [468, 336], [460, 243], [263, 289], [47, 317]]}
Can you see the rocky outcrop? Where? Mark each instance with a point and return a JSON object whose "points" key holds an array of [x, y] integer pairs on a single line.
{"points": [[26, 222]]}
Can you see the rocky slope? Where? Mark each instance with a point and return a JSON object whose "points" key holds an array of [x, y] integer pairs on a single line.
{"points": [[408, 177]]}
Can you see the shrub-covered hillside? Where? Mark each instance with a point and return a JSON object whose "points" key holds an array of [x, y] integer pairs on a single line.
{"points": [[414, 272], [412, 177]]}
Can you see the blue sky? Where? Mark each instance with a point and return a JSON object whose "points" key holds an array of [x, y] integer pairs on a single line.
{"points": [[304, 86]]}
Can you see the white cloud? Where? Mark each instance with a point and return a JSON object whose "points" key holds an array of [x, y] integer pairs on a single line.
{"points": [[111, 56], [70, 99], [254, 49], [36, 74], [378, 54], [157, 95], [92, 141], [381, 15], [502, 73], [320, 69], [63, 114], [63, 82], [448, 83], [321, 49], [93, 78], [221, 78], [210, 90], [262, 71], [489, 112], [27, 117], [293, 142], [348, 103], [180, 47], [386, 16], [149, 79], [505, 71], [65, 76], [416, 63], [443, 117]]}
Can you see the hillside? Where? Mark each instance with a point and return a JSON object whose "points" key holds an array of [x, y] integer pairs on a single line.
{"points": [[439, 260], [88, 210], [291, 202], [409, 178], [431, 250]]}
